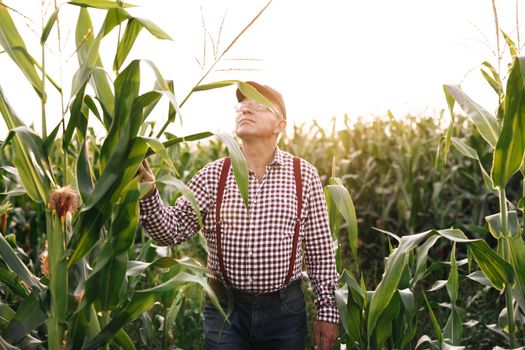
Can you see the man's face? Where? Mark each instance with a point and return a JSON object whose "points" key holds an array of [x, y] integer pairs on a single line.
{"points": [[257, 121]]}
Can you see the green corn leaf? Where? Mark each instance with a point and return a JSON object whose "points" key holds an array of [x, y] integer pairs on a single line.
{"points": [[126, 220], [517, 259], [343, 201], [49, 25], [498, 271], [50, 139], [397, 262], [239, 165], [435, 323], [453, 278], [448, 136], [153, 29], [252, 94], [215, 85], [89, 59], [131, 33], [6, 315], [496, 86], [84, 174], [355, 289], [184, 277], [479, 277], [422, 257], [454, 328], [495, 79], [17, 266], [11, 280], [486, 124], [83, 325], [78, 118], [161, 151], [470, 152], [350, 303], [105, 285], [127, 87], [408, 330], [513, 225], [123, 340], [514, 52], [92, 219], [188, 138], [386, 288], [140, 303], [36, 148], [100, 4], [92, 107], [15, 47], [454, 235], [384, 328], [388, 233], [31, 175], [28, 317], [341, 300], [247, 90], [135, 268], [510, 147], [447, 346], [116, 16], [162, 86], [409, 242]]}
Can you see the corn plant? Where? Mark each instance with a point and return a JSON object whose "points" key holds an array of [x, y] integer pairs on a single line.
{"points": [[504, 133], [89, 191]]}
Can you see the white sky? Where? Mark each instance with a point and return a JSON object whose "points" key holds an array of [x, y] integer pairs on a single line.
{"points": [[327, 57]]}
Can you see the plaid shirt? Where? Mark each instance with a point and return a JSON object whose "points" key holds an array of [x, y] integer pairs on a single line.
{"points": [[256, 241]]}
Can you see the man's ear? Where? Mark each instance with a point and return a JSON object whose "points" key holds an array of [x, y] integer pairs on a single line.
{"points": [[280, 125]]}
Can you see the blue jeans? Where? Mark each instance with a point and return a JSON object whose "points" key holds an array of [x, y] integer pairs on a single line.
{"points": [[265, 321]]}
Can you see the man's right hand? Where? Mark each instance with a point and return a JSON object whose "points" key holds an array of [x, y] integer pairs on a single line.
{"points": [[146, 175]]}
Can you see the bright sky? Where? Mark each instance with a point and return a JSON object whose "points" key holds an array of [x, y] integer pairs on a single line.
{"points": [[327, 58]]}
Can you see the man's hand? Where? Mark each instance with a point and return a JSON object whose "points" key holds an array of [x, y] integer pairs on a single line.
{"points": [[325, 333], [146, 175]]}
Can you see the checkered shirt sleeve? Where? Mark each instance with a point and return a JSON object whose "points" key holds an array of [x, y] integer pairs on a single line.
{"points": [[319, 252], [173, 225]]}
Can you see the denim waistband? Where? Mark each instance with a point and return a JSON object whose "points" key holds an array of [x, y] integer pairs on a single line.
{"points": [[223, 291]]}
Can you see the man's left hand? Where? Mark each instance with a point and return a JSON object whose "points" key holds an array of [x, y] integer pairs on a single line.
{"points": [[325, 333]]}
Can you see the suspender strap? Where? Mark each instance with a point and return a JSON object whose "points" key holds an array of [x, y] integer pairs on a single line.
{"points": [[220, 191], [299, 192]]}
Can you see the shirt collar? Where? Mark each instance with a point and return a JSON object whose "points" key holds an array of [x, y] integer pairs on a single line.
{"points": [[278, 158]]}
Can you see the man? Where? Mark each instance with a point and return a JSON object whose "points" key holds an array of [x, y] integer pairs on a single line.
{"points": [[253, 258]]}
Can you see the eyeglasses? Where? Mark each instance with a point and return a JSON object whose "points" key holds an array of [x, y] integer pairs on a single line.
{"points": [[256, 107]]}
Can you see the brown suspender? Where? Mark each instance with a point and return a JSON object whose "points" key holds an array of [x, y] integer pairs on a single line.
{"points": [[220, 191], [299, 192]]}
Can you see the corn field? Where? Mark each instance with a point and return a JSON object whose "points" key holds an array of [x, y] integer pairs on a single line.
{"points": [[427, 220]]}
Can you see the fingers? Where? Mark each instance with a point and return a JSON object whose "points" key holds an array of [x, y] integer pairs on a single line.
{"points": [[317, 335], [326, 343], [325, 334], [146, 165], [146, 175]]}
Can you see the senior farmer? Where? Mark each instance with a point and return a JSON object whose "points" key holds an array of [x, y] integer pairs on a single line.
{"points": [[255, 253]]}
